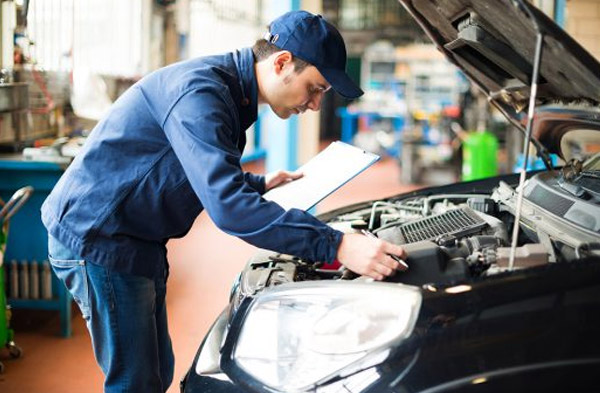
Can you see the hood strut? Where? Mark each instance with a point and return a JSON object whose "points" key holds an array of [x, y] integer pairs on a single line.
{"points": [[531, 111]]}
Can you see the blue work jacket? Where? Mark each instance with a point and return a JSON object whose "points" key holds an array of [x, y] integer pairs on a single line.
{"points": [[170, 147]]}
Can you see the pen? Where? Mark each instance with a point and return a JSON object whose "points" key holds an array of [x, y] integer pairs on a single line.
{"points": [[394, 257]]}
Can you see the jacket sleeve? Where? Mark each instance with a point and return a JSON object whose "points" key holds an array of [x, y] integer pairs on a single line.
{"points": [[202, 131], [256, 181]]}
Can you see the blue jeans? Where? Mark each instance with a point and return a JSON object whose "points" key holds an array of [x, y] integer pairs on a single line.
{"points": [[127, 319]]}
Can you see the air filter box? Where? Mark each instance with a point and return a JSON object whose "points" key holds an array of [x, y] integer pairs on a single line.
{"points": [[428, 263]]}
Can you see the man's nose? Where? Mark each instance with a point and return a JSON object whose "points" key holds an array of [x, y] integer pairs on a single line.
{"points": [[314, 103]]}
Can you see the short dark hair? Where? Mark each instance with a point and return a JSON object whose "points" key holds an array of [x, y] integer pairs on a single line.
{"points": [[263, 49]]}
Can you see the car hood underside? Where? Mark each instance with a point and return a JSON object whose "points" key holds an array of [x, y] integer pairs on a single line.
{"points": [[493, 42]]}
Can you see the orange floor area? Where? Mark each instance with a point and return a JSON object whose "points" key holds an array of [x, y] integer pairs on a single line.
{"points": [[203, 266]]}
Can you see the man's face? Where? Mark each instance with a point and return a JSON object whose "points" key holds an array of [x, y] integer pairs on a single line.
{"points": [[293, 93]]}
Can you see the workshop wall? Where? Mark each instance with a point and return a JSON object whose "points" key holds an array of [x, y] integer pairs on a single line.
{"points": [[583, 23], [223, 25]]}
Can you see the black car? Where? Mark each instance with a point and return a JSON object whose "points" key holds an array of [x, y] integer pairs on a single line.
{"points": [[503, 289]]}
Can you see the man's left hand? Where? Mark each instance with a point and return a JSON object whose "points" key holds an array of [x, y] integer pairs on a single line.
{"points": [[277, 178]]}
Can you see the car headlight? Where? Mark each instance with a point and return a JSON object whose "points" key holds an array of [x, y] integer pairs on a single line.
{"points": [[297, 335]]}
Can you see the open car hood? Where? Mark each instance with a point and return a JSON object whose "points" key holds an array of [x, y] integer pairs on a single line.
{"points": [[493, 43]]}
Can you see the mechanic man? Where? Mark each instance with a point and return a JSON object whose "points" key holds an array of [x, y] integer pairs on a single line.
{"points": [[170, 147]]}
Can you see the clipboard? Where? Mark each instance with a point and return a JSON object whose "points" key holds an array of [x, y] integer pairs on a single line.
{"points": [[323, 174]]}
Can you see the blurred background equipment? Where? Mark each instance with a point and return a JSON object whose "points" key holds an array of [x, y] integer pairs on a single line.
{"points": [[411, 95], [7, 210]]}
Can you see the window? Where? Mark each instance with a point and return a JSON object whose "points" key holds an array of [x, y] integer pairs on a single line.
{"points": [[101, 36]]}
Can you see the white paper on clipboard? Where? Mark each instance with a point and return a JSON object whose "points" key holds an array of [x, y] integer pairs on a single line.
{"points": [[323, 174]]}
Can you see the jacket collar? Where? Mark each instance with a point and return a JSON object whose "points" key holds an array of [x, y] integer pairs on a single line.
{"points": [[248, 104]]}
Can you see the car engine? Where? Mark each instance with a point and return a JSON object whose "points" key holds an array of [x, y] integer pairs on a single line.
{"points": [[453, 238]]}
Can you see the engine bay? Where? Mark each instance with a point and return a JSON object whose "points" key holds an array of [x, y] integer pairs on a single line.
{"points": [[452, 238]]}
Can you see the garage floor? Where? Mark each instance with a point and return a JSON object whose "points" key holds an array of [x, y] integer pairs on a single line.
{"points": [[203, 266]]}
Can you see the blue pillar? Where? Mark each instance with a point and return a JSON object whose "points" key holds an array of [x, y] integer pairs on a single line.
{"points": [[282, 135], [559, 12]]}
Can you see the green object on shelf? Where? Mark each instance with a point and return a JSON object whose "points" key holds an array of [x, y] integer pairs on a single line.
{"points": [[6, 334], [480, 156], [7, 210]]}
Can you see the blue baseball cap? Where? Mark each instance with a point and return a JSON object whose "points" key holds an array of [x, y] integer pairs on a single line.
{"points": [[316, 41]]}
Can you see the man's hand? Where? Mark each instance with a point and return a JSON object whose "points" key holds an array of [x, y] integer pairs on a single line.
{"points": [[369, 257], [280, 177]]}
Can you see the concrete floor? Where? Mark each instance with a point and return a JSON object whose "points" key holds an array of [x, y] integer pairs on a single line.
{"points": [[203, 266]]}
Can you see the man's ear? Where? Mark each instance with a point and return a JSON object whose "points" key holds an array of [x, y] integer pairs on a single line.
{"points": [[283, 59]]}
